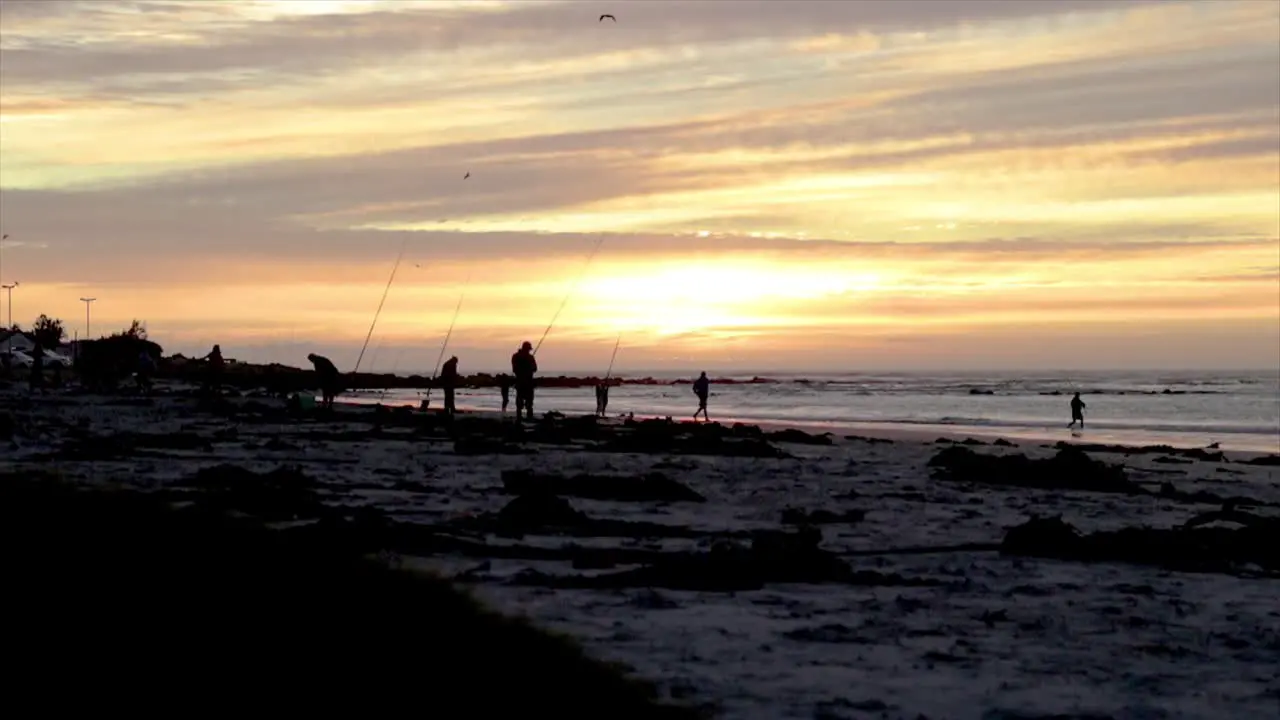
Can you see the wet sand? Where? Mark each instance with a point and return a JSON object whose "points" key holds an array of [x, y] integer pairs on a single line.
{"points": [[690, 553]]}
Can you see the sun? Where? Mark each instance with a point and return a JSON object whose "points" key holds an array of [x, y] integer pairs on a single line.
{"points": [[667, 299]]}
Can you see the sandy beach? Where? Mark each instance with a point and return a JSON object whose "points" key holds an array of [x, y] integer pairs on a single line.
{"points": [[766, 572]]}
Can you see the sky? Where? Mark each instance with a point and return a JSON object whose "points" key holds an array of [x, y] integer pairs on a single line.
{"points": [[726, 185]]}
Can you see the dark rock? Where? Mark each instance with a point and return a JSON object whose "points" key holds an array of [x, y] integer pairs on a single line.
{"points": [[1070, 469], [1186, 549], [1273, 460], [540, 510], [1001, 442], [651, 487], [870, 440]]}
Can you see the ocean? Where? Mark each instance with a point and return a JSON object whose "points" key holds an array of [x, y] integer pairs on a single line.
{"points": [[1239, 411]]}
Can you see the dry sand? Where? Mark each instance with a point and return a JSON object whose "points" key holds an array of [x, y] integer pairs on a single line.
{"points": [[957, 634]]}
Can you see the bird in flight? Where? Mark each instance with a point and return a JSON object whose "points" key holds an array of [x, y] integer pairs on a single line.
{"points": [[602, 17], [464, 177]]}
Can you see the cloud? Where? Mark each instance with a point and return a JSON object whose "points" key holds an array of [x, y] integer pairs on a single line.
{"points": [[311, 43]]}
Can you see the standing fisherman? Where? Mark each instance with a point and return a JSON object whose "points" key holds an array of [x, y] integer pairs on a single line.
{"points": [[702, 388], [213, 376], [602, 398], [328, 375], [449, 380], [523, 366]]}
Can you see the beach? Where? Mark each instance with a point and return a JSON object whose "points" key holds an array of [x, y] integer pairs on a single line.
{"points": [[774, 572]]}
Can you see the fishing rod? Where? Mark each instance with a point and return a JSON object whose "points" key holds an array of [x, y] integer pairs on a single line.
{"points": [[385, 290], [447, 335], [611, 359], [569, 294]]}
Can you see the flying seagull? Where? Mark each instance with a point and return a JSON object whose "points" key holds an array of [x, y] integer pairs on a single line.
{"points": [[602, 17], [464, 177]]}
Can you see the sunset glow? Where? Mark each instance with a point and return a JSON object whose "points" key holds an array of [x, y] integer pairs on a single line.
{"points": [[778, 184]]}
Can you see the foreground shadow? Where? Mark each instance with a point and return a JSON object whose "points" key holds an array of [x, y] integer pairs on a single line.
{"points": [[123, 601]]}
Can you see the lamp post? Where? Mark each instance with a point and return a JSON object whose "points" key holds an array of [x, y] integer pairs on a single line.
{"points": [[2, 239], [86, 302], [9, 291], [8, 341]]}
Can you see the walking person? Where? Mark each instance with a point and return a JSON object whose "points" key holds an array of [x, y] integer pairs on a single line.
{"points": [[504, 387], [702, 388], [1077, 412], [523, 366]]}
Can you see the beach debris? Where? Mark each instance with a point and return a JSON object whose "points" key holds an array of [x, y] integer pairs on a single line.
{"points": [[797, 516], [1070, 469], [729, 567], [672, 438], [1186, 548], [650, 487], [1192, 453], [481, 445], [82, 446], [870, 440], [606, 15], [546, 514], [283, 493]]}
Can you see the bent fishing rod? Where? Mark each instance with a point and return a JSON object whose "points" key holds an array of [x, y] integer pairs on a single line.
{"points": [[573, 288], [447, 335], [382, 302], [609, 372]]}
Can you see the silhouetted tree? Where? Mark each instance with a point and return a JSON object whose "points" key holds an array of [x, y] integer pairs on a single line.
{"points": [[48, 331], [137, 331]]}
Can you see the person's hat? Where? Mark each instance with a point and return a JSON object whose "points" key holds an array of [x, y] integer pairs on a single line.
{"points": [[527, 345]]}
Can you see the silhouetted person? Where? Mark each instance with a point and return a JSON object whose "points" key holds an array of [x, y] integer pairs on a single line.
{"points": [[702, 388], [146, 367], [36, 380], [448, 381], [328, 375], [602, 398], [523, 366], [1077, 412], [504, 387], [213, 376]]}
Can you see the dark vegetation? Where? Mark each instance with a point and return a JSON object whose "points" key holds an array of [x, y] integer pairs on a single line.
{"points": [[129, 602]]}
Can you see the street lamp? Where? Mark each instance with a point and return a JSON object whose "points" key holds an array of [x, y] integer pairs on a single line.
{"points": [[9, 291], [4, 237], [9, 338], [86, 302]]}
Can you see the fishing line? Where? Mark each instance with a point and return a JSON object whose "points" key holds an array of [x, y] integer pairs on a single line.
{"points": [[385, 290], [569, 294]]}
